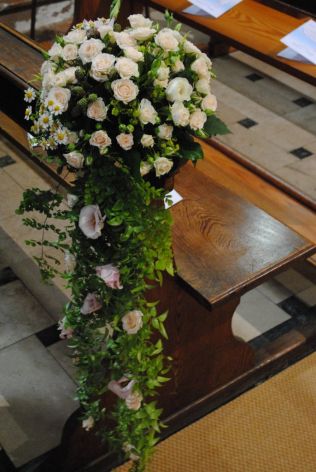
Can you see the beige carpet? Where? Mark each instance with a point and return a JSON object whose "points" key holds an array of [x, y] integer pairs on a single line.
{"points": [[272, 428]]}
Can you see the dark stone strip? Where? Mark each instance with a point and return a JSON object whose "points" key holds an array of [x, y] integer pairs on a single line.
{"points": [[49, 336], [7, 275]]}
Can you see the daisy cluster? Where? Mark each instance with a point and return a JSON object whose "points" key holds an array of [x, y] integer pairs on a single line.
{"points": [[105, 92]]}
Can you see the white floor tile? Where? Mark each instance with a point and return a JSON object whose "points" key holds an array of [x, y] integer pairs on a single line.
{"points": [[242, 329], [274, 291], [294, 281], [62, 353], [308, 296]]}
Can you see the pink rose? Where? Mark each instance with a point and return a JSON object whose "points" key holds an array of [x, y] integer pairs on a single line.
{"points": [[65, 332], [90, 221], [110, 274], [121, 390], [90, 304]]}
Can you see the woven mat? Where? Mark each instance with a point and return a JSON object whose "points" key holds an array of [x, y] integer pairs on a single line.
{"points": [[271, 428]]}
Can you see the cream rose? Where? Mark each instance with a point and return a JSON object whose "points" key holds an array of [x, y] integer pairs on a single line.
{"points": [[73, 137], [163, 73], [166, 40], [100, 139], [70, 52], [102, 65], [55, 51], [132, 321], [124, 40], [76, 36], [197, 119], [89, 49], [200, 67], [124, 90], [72, 200], [125, 140], [179, 90], [126, 68], [139, 21], [165, 131], [91, 222], [209, 102], [190, 48], [161, 83], [97, 110], [145, 168], [178, 66], [88, 423], [142, 34], [180, 114], [147, 140], [74, 159], [134, 54], [67, 76], [162, 166], [147, 113], [59, 95], [203, 86], [134, 401]]}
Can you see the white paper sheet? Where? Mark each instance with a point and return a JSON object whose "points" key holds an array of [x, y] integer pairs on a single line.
{"points": [[302, 40], [174, 196], [214, 8], [288, 53]]}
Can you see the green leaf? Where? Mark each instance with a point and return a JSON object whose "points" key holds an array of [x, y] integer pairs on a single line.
{"points": [[191, 150], [214, 126]]}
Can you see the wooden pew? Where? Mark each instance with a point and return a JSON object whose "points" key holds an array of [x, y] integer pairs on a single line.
{"points": [[227, 239]]}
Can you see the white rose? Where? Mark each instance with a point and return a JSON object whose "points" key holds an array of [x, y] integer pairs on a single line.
{"points": [[200, 67], [125, 140], [145, 168], [124, 90], [101, 66], [203, 86], [165, 131], [178, 66], [48, 67], [48, 81], [207, 60], [142, 34], [55, 51], [179, 90], [166, 40], [73, 137], [197, 119], [100, 139], [132, 321], [89, 49], [134, 54], [104, 28], [60, 79], [190, 48], [88, 423], [72, 199], [180, 114], [76, 36], [124, 40], [97, 110], [162, 166], [67, 76], [147, 113], [74, 159], [161, 83], [147, 140], [209, 102], [163, 73], [59, 95], [139, 21], [126, 68], [70, 52]]}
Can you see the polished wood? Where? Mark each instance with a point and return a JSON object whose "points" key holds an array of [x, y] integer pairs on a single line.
{"points": [[250, 26]]}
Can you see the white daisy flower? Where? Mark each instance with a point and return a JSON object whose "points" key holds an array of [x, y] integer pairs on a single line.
{"points": [[35, 128], [28, 113], [61, 136], [29, 95], [56, 109], [45, 120]]}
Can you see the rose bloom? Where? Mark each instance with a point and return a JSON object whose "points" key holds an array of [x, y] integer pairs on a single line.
{"points": [[200, 67], [110, 275], [132, 321], [178, 66], [197, 119], [61, 96], [126, 68], [128, 449], [163, 73], [102, 65], [125, 140], [88, 423], [161, 83], [147, 113], [121, 390], [65, 333], [67, 76], [100, 139], [70, 261], [139, 21], [166, 40], [73, 137], [134, 401], [76, 36], [70, 52], [89, 49], [145, 168], [72, 199], [203, 86], [179, 90], [74, 159], [162, 166], [124, 90], [165, 131], [104, 28], [55, 51], [97, 110], [90, 221], [124, 40], [91, 304], [147, 140], [180, 114], [142, 34], [134, 54], [190, 48], [209, 102]]}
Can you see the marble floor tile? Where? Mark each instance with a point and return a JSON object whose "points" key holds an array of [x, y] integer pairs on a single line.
{"points": [[306, 166], [294, 281], [304, 117], [62, 353], [10, 196], [229, 114], [20, 314], [40, 398], [25, 176], [308, 296], [275, 291], [305, 183], [260, 312], [243, 329]]}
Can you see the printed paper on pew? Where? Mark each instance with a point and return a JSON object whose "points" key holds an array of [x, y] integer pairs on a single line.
{"points": [[214, 8], [288, 53], [174, 196], [303, 40]]}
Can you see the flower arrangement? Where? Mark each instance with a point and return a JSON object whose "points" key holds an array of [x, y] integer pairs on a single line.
{"points": [[119, 110]]}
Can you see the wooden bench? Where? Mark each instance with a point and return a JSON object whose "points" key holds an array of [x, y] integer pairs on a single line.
{"points": [[227, 239]]}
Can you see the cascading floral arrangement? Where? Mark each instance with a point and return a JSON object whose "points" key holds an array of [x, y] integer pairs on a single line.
{"points": [[118, 110]]}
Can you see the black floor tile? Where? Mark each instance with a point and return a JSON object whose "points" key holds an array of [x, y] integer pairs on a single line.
{"points": [[303, 102], [254, 77], [7, 275], [6, 161], [272, 334], [301, 152], [5, 463], [297, 309], [247, 123], [49, 336]]}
